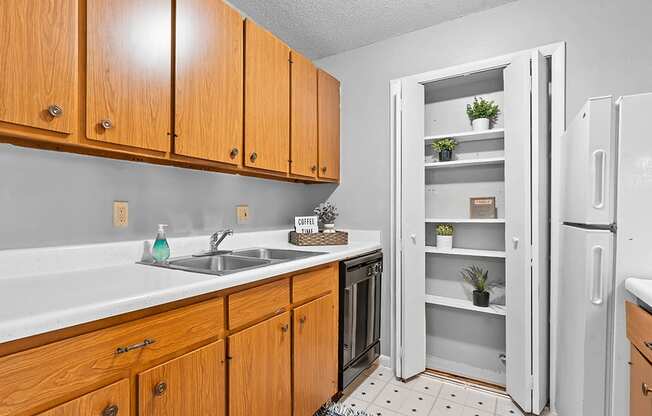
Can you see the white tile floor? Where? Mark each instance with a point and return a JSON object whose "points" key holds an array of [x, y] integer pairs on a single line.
{"points": [[380, 394]]}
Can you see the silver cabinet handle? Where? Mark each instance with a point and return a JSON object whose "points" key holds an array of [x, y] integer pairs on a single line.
{"points": [[285, 328], [323, 169], [648, 344], [253, 156], [646, 389], [106, 124], [160, 388], [145, 343], [234, 153], [111, 410], [55, 110], [314, 168]]}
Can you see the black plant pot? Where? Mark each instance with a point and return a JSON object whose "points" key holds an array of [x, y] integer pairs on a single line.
{"points": [[445, 155], [480, 298]]}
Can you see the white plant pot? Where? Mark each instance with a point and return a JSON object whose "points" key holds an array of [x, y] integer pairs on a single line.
{"points": [[444, 242], [480, 124], [329, 228]]}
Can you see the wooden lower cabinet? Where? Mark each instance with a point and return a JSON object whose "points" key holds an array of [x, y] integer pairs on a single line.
{"points": [[112, 400], [193, 384], [315, 354], [259, 369], [640, 385]]}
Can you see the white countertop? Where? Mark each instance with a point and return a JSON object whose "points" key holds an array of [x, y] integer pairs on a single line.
{"points": [[641, 289], [42, 290]]}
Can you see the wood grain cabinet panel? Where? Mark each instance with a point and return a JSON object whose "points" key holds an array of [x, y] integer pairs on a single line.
{"points": [[258, 302], [640, 385], [193, 384], [38, 63], [209, 81], [267, 100], [639, 329], [315, 354], [328, 105], [36, 376], [259, 369], [104, 401], [303, 134], [128, 80], [314, 283]]}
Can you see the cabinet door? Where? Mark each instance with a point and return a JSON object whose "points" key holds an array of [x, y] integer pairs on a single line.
{"points": [[192, 384], [329, 126], [259, 369], [303, 135], [128, 83], [315, 355], [38, 63], [112, 400], [640, 385], [267, 100], [209, 90]]}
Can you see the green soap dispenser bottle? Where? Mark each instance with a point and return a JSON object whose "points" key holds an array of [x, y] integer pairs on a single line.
{"points": [[161, 249]]}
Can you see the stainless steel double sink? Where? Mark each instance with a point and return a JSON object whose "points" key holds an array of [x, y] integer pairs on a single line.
{"points": [[236, 261]]}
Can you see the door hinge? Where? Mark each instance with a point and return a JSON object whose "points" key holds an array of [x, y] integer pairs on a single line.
{"points": [[530, 382]]}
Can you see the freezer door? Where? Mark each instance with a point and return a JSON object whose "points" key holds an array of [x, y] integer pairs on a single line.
{"points": [[589, 150], [585, 293]]}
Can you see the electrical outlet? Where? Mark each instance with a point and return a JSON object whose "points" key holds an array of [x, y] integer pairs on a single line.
{"points": [[242, 214], [120, 214]]}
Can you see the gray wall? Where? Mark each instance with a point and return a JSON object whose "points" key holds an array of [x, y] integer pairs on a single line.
{"points": [[608, 52], [49, 198]]}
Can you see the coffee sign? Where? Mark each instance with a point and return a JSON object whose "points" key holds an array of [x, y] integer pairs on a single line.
{"points": [[306, 225]]}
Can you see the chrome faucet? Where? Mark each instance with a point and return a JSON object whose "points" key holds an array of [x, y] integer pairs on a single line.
{"points": [[216, 238]]}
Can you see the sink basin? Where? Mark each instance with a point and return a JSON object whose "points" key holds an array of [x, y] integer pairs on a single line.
{"points": [[275, 254], [219, 265]]}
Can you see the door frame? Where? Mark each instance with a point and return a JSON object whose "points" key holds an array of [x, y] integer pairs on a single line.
{"points": [[556, 52]]}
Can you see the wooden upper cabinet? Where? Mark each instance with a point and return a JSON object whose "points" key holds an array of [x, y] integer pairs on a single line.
{"points": [[315, 355], [193, 384], [328, 104], [128, 84], [303, 133], [267, 100], [209, 90], [112, 400], [259, 369], [38, 63]]}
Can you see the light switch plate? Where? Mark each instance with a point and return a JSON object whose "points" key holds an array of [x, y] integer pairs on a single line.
{"points": [[242, 214], [120, 214]]}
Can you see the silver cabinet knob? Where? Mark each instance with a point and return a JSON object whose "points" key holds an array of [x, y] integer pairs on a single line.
{"points": [[285, 328], [253, 156], [302, 320], [314, 168], [645, 389], [234, 153], [111, 410], [323, 169], [55, 110], [160, 388], [106, 124]]}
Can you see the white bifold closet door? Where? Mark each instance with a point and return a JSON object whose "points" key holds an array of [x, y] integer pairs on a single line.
{"points": [[526, 230]]}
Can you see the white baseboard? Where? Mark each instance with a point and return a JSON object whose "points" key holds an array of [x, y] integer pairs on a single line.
{"points": [[385, 361]]}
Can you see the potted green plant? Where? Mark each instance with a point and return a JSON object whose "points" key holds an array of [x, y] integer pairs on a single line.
{"points": [[478, 278], [445, 148], [482, 113], [445, 236], [327, 213]]}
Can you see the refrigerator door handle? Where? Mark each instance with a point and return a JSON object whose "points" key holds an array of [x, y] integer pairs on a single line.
{"points": [[599, 177], [597, 275]]}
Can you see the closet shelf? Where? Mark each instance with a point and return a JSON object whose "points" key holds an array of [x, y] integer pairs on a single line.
{"points": [[470, 136], [466, 252], [466, 162], [465, 220], [465, 304]]}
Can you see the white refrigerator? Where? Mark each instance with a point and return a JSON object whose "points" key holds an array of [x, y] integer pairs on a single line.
{"points": [[607, 157]]}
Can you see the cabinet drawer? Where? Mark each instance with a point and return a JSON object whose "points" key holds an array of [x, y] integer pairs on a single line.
{"points": [[39, 375], [107, 400], [258, 302], [312, 284], [639, 329], [640, 385]]}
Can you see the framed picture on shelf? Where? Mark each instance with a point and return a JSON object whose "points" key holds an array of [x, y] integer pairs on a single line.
{"points": [[482, 207]]}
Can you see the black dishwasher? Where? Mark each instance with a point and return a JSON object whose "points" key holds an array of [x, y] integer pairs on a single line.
{"points": [[360, 292]]}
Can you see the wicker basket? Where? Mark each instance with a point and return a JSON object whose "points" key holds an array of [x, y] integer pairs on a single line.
{"points": [[338, 238]]}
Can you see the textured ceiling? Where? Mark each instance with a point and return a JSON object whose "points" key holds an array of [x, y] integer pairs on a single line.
{"points": [[319, 28]]}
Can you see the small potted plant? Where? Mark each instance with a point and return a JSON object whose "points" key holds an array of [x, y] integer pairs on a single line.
{"points": [[327, 214], [478, 278], [482, 113], [445, 148], [445, 236]]}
